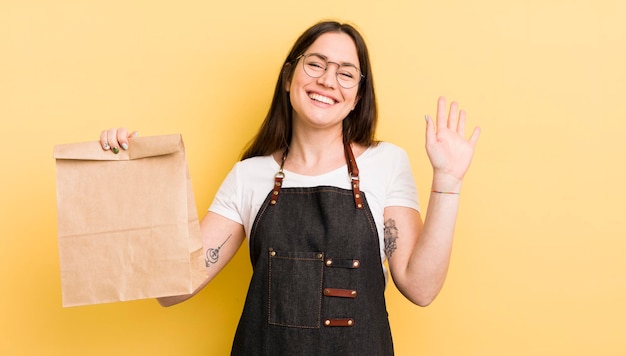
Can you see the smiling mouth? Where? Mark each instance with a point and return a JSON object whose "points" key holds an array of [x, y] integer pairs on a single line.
{"points": [[321, 98]]}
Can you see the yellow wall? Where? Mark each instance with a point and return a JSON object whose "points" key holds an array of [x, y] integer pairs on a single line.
{"points": [[540, 255]]}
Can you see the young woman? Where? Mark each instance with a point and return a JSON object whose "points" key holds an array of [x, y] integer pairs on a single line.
{"points": [[323, 205]]}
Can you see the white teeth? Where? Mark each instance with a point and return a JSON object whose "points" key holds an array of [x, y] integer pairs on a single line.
{"points": [[321, 98]]}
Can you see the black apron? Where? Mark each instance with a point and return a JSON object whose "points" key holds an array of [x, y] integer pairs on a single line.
{"points": [[318, 285]]}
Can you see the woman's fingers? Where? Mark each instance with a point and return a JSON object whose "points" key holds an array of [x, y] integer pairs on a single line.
{"points": [[453, 119], [122, 138], [474, 138], [460, 129], [104, 140], [115, 139], [441, 113], [453, 116], [431, 135], [112, 138]]}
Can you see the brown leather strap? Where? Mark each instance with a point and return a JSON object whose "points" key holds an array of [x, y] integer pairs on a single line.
{"points": [[339, 322], [341, 293], [353, 170], [278, 180]]}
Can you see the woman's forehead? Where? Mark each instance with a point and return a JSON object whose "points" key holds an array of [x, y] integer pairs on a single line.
{"points": [[336, 47]]}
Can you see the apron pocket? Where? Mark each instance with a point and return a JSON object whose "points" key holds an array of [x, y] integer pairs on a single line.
{"points": [[295, 288]]}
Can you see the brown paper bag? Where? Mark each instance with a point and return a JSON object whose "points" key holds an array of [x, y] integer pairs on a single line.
{"points": [[128, 225]]}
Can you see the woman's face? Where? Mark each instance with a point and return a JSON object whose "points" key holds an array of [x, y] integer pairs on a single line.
{"points": [[322, 103]]}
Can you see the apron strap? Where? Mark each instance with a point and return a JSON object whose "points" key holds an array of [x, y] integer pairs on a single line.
{"points": [[353, 170], [278, 179]]}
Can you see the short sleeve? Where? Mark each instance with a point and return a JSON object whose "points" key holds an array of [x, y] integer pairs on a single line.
{"points": [[401, 190], [227, 197]]}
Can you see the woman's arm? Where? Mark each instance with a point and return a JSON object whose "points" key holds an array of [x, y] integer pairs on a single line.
{"points": [[221, 238], [419, 253]]}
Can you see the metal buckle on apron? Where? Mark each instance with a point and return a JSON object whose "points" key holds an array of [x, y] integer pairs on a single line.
{"points": [[353, 170], [278, 182], [278, 179]]}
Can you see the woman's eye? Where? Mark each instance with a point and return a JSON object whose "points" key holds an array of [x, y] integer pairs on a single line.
{"points": [[316, 65], [346, 74]]}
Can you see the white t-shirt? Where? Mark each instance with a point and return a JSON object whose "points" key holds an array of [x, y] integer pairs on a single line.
{"points": [[384, 175]]}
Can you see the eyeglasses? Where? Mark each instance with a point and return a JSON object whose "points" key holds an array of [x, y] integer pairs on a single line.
{"points": [[315, 65]]}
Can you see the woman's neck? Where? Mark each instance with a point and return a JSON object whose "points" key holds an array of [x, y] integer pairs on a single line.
{"points": [[315, 157], [310, 155]]}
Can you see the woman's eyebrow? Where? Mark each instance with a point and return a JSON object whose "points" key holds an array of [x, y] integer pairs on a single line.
{"points": [[326, 58]]}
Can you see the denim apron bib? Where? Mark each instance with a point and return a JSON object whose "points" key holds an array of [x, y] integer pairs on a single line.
{"points": [[318, 285]]}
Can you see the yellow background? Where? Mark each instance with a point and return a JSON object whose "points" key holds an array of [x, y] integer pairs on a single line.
{"points": [[540, 252]]}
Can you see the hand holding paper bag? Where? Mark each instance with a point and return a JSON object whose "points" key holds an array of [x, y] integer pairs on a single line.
{"points": [[128, 225]]}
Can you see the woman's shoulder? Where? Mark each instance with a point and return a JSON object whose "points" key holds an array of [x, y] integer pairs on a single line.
{"points": [[254, 167], [257, 162], [383, 150]]}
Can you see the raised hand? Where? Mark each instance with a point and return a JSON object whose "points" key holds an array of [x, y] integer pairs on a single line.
{"points": [[449, 152]]}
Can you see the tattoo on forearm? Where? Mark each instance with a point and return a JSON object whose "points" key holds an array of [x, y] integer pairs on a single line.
{"points": [[391, 235], [213, 254]]}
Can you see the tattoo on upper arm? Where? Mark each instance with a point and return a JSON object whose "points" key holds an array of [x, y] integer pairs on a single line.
{"points": [[213, 254], [391, 235]]}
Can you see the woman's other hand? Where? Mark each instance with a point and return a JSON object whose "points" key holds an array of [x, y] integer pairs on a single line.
{"points": [[450, 153], [114, 139]]}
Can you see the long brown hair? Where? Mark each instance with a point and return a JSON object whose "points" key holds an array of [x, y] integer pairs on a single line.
{"points": [[358, 127]]}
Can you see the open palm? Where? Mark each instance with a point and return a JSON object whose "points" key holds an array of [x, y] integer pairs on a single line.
{"points": [[449, 152]]}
